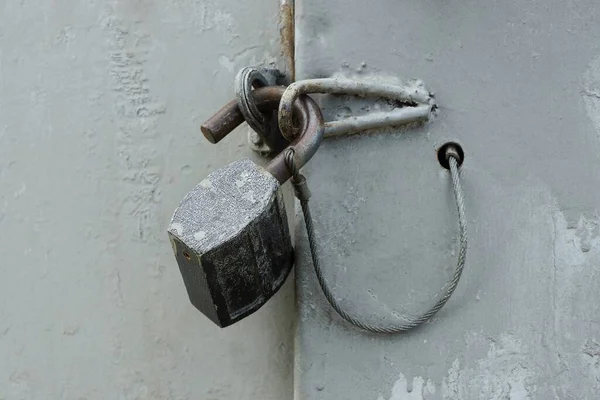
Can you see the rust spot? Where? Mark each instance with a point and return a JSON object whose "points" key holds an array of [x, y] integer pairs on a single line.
{"points": [[286, 35]]}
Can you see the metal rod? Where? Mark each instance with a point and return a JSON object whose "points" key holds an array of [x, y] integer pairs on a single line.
{"points": [[401, 116], [230, 117]]}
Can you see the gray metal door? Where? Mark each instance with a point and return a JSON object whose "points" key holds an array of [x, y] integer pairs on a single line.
{"points": [[518, 85]]}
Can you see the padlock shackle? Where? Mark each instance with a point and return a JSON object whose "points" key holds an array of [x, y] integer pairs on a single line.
{"points": [[312, 128], [310, 121]]}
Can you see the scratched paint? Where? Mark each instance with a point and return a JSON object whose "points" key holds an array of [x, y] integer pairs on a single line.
{"points": [[591, 92]]}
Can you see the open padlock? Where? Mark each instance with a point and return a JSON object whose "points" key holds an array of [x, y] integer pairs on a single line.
{"points": [[230, 234]]}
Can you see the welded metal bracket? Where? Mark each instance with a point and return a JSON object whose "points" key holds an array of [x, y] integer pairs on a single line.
{"points": [[410, 102]]}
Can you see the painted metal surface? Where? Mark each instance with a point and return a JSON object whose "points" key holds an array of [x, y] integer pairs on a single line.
{"points": [[517, 85], [100, 105]]}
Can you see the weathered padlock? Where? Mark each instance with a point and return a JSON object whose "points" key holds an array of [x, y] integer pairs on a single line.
{"points": [[230, 234]]}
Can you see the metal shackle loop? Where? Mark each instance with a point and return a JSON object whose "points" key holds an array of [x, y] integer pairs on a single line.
{"points": [[244, 81], [416, 94], [264, 125], [310, 125]]}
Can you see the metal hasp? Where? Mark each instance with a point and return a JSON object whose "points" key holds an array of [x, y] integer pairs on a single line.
{"points": [[230, 234], [418, 104]]}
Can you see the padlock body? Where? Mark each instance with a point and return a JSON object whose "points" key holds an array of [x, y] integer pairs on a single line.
{"points": [[231, 240]]}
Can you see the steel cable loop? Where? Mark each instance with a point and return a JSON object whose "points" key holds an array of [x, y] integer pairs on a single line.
{"points": [[410, 321]]}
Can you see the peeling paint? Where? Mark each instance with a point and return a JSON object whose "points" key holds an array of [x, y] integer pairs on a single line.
{"points": [[199, 235], [205, 183], [177, 227], [507, 372], [592, 349], [138, 109], [416, 389]]}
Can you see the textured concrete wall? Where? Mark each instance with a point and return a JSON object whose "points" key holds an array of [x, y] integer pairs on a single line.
{"points": [[100, 106], [518, 84]]}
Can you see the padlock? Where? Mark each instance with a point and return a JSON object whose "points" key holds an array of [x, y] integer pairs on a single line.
{"points": [[230, 234]]}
